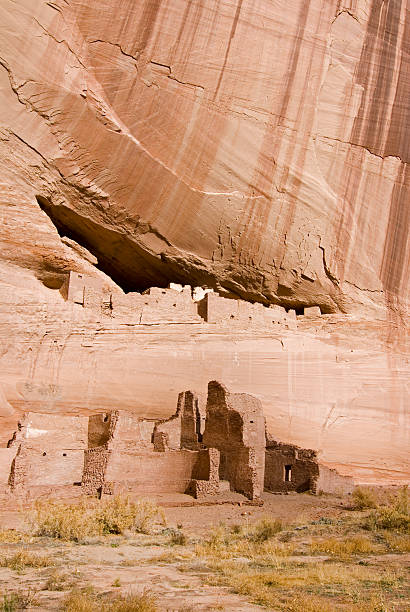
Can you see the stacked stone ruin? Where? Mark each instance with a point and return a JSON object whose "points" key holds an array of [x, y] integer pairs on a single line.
{"points": [[202, 453], [175, 304]]}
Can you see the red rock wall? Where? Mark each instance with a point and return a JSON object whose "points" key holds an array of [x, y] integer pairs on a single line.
{"points": [[271, 159], [262, 149]]}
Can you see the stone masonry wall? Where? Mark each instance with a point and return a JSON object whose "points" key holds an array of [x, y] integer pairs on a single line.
{"points": [[49, 451], [231, 312], [289, 467], [236, 427], [183, 429]]}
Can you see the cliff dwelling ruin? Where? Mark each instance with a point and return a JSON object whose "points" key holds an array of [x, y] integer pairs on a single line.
{"points": [[202, 452], [176, 304]]}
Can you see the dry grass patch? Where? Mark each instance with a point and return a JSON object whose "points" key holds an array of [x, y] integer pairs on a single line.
{"points": [[91, 518], [363, 498], [254, 542], [12, 536], [11, 602], [78, 601], [397, 542], [24, 558], [289, 586], [353, 545], [59, 581]]}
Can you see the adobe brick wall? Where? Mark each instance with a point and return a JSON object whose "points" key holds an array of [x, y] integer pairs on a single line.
{"points": [[95, 465], [52, 430], [236, 427], [231, 312], [130, 432], [149, 472], [183, 429], [49, 451], [52, 467], [330, 481], [304, 469], [156, 305]]}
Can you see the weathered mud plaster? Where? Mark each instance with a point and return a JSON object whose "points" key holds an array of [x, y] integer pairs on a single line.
{"points": [[196, 452]]}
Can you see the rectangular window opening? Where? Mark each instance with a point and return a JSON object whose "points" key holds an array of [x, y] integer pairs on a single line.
{"points": [[288, 473]]}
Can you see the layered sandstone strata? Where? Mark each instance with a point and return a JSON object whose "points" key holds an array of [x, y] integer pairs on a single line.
{"points": [[234, 144], [245, 146]]}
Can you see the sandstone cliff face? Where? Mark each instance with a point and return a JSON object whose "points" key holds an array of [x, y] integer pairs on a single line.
{"points": [[256, 147], [246, 145]]}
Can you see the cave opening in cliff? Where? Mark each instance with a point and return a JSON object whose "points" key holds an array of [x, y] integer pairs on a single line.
{"points": [[119, 256]]}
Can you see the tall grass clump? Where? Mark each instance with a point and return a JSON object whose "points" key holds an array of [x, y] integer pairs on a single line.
{"points": [[78, 601], [395, 516], [363, 499], [265, 529], [24, 558], [91, 518], [354, 545], [12, 602]]}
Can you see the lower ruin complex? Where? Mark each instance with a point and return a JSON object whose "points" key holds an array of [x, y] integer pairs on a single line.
{"points": [[224, 448]]}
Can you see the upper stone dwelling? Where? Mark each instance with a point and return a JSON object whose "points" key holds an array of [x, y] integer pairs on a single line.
{"points": [[221, 449], [176, 304]]}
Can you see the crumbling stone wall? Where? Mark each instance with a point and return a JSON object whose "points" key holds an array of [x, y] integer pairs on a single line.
{"points": [[118, 451], [330, 481], [112, 435], [225, 311], [183, 429], [236, 427], [176, 304], [49, 451], [289, 467], [155, 305], [205, 475]]}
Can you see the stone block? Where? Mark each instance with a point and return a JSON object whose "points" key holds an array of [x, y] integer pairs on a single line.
{"points": [[312, 311]]}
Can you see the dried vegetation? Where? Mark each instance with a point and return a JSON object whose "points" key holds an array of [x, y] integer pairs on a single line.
{"points": [[333, 564], [89, 518]]}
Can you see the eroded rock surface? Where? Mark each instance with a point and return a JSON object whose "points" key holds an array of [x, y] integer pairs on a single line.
{"points": [[237, 145], [245, 146]]}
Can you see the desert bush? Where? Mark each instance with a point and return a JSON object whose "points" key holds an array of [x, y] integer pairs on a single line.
{"points": [[265, 529], [401, 504], [395, 516], [177, 538], [22, 559], [363, 498], [387, 518], [147, 514], [78, 601], [66, 522], [59, 581], [116, 515], [90, 518]]}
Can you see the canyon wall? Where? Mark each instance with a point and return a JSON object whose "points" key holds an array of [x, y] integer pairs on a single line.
{"points": [[254, 147]]}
